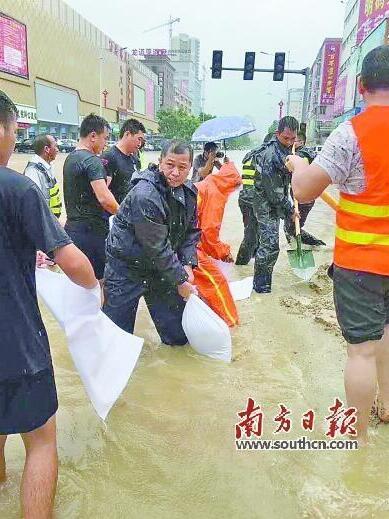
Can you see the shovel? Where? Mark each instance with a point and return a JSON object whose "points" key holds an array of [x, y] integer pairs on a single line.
{"points": [[301, 261]]}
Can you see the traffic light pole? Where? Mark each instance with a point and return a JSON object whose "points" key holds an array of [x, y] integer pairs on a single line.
{"points": [[302, 72]]}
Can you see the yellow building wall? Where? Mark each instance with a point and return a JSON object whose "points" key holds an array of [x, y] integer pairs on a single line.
{"points": [[63, 56]]}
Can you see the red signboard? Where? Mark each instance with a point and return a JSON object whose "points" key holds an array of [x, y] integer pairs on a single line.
{"points": [[330, 72], [13, 47], [371, 14]]}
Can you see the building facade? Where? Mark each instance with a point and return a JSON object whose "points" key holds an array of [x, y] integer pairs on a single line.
{"points": [[295, 103], [182, 100], [164, 70], [186, 61], [57, 68], [366, 27], [324, 75]]}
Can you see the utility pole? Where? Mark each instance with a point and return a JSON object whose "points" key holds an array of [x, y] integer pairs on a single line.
{"points": [[203, 92], [306, 94]]}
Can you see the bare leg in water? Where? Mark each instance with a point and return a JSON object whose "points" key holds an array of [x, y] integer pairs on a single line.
{"points": [[367, 364], [383, 375], [3, 439], [39, 482], [360, 380]]}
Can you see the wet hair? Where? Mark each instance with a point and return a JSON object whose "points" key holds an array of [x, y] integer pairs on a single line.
{"points": [[178, 148], [268, 137], [40, 143], [375, 69], [209, 146], [302, 137], [133, 126], [8, 110], [93, 123], [288, 122]]}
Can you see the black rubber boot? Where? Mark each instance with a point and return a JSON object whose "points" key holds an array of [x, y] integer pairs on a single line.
{"points": [[309, 239], [262, 284]]}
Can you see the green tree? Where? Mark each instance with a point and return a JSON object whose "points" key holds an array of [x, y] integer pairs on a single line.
{"points": [[177, 123], [273, 127], [205, 117], [240, 143]]}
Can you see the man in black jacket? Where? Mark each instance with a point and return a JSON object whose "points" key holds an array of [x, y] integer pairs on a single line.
{"points": [[151, 248], [249, 243], [271, 201]]}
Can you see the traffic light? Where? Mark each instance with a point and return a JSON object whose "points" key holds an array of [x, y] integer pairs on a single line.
{"points": [[279, 66], [217, 64], [249, 62]]}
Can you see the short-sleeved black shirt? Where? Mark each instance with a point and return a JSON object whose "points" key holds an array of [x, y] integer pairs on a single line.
{"points": [[80, 169], [26, 225], [120, 167]]}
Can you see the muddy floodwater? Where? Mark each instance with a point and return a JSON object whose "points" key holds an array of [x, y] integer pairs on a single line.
{"points": [[168, 449]]}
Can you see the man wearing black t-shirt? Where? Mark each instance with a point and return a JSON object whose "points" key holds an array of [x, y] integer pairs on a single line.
{"points": [[122, 160], [28, 397], [88, 200]]}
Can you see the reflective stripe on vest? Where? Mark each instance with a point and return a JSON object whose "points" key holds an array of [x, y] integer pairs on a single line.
{"points": [[248, 175], [55, 200], [362, 234]]}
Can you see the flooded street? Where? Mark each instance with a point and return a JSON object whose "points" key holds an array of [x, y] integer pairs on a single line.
{"points": [[168, 447]]}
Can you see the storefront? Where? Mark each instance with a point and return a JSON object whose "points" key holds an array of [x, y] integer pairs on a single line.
{"points": [[27, 122], [57, 111]]}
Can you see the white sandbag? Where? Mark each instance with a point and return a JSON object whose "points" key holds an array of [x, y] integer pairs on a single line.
{"points": [[241, 289], [103, 354], [226, 268], [207, 333]]}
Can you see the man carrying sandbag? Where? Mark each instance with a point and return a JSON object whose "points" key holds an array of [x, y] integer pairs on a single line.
{"points": [[151, 248], [213, 193]]}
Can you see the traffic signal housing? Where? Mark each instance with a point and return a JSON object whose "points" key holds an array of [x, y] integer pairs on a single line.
{"points": [[279, 66], [249, 63], [217, 64]]}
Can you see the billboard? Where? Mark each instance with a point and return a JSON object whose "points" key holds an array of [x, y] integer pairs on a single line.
{"points": [[150, 99], [340, 96], [330, 70], [371, 14], [13, 47]]}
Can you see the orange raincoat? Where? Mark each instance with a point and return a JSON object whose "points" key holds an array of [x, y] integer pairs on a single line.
{"points": [[213, 193]]}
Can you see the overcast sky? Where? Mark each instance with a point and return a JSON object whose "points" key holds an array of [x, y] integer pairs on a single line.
{"points": [[298, 26]]}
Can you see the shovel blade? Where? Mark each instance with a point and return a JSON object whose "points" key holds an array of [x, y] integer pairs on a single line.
{"points": [[302, 263]]}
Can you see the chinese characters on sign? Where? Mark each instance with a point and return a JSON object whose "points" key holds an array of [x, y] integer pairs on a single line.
{"points": [[161, 77], [122, 53], [341, 421], [371, 14], [158, 52], [13, 47], [26, 114], [330, 72]]}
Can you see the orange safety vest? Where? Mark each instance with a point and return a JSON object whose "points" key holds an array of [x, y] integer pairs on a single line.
{"points": [[362, 233]]}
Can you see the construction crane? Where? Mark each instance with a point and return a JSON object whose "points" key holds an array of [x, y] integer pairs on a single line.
{"points": [[170, 24]]}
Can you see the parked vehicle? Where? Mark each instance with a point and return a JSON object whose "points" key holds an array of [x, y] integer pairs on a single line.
{"points": [[25, 146], [66, 145]]}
